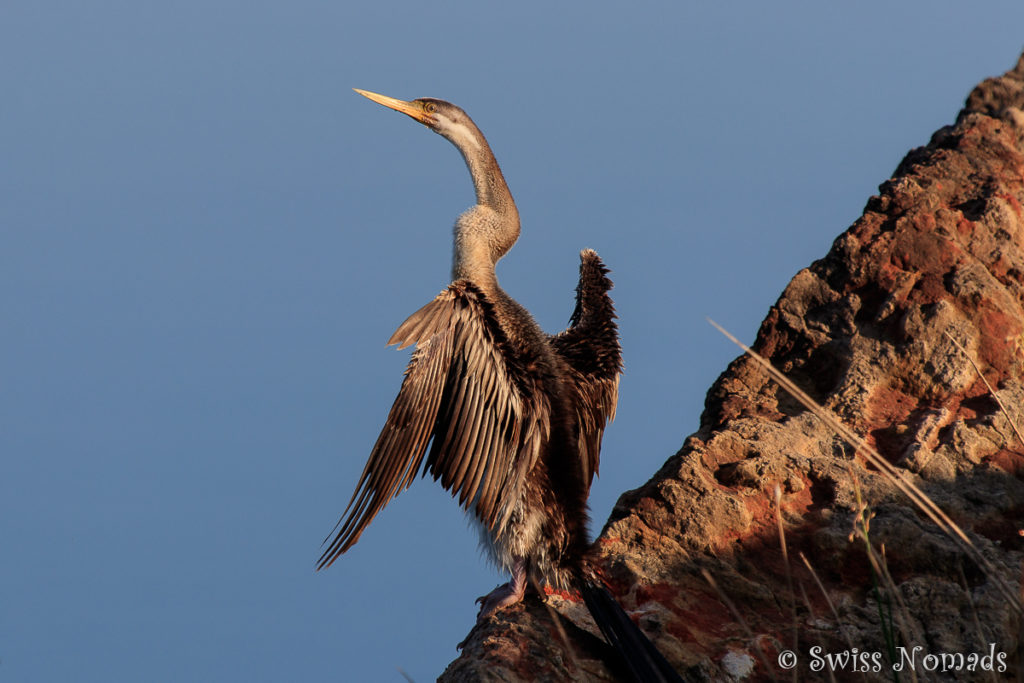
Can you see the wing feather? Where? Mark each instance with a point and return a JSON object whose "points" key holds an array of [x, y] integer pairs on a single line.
{"points": [[466, 431], [590, 346], [478, 465], [464, 396]]}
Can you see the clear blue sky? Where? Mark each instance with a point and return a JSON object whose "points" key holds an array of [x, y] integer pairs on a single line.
{"points": [[206, 237]]}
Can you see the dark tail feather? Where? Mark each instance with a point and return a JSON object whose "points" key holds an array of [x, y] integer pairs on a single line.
{"points": [[639, 654]]}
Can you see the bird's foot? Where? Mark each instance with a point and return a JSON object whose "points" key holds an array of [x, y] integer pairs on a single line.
{"points": [[504, 595], [501, 597]]}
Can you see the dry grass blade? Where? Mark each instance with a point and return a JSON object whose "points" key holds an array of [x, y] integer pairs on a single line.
{"points": [[789, 573], [739, 619], [810, 611], [828, 600], [902, 614], [895, 476], [991, 391]]}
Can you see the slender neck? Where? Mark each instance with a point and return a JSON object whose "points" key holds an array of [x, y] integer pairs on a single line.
{"points": [[485, 232], [491, 189]]}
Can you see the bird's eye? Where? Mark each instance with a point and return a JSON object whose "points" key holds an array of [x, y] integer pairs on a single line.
{"points": [[430, 107]]}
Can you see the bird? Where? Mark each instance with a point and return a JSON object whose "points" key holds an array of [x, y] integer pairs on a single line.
{"points": [[506, 417]]}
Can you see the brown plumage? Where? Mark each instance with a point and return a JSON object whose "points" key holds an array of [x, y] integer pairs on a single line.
{"points": [[513, 418]]}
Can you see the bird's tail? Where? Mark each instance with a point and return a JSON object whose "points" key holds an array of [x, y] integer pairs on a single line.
{"points": [[640, 656]]}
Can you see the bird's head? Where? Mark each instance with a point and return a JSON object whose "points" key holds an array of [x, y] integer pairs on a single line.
{"points": [[486, 231], [444, 118]]}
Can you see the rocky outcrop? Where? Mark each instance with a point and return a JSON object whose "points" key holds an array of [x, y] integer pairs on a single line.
{"points": [[767, 532]]}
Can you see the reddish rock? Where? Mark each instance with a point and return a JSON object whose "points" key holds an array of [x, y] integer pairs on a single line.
{"points": [[868, 331]]}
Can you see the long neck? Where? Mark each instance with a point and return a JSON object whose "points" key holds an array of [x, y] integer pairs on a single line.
{"points": [[485, 232], [491, 189]]}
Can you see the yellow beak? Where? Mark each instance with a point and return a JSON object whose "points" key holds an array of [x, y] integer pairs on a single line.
{"points": [[413, 109]]}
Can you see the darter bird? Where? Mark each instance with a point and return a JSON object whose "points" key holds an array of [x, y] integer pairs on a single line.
{"points": [[512, 417]]}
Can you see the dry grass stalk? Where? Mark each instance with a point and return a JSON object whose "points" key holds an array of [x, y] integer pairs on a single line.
{"points": [[898, 478], [991, 391], [741, 621], [789, 574]]}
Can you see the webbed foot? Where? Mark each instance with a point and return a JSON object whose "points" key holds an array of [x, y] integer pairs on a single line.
{"points": [[504, 595]]}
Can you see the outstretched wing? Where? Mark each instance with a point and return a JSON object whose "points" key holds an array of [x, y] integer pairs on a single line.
{"points": [[591, 348], [467, 390]]}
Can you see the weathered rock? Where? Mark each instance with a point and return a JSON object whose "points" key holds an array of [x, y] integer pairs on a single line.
{"points": [[868, 331]]}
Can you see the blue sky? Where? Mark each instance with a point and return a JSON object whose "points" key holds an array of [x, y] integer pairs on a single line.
{"points": [[207, 238]]}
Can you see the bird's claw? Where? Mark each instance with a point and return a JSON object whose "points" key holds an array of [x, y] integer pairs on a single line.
{"points": [[503, 596]]}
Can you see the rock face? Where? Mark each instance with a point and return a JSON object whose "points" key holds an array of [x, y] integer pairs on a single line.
{"points": [[882, 332]]}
